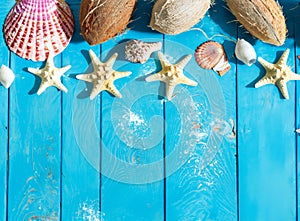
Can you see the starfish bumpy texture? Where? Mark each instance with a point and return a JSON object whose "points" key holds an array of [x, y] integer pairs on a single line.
{"points": [[50, 75], [103, 76], [172, 74], [278, 74]]}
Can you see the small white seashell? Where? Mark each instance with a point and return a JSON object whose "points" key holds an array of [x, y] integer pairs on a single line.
{"points": [[139, 51], [245, 52], [7, 76]]}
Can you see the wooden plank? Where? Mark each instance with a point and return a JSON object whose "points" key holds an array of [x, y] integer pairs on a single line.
{"points": [[80, 180], [35, 144], [297, 64], [132, 134], [266, 137], [4, 55], [199, 127]]}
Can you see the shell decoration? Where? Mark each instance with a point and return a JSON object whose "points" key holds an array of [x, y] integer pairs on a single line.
{"points": [[211, 55], [7, 76], [177, 16], [264, 19], [245, 52], [35, 28], [138, 51], [103, 20]]}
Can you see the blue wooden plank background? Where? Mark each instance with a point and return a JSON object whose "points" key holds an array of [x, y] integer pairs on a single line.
{"points": [[219, 151]]}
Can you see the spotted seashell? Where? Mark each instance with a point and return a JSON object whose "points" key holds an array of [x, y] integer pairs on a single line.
{"points": [[211, 55], [245, 52], [177, 16], [7, 76], [35, 28], [139, 52]]}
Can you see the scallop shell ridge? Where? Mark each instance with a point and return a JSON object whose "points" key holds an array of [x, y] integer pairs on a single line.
{"points": [[209, 54], [35, 28]]}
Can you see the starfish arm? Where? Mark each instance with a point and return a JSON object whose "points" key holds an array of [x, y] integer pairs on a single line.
{"points": [[265, 64], [118, 75], [43, 87], [163, 60], [181, 64], [95, 60], [265, 80], [156, 77], [293, 76], [97, 89], [284, 57], [60, 86], [113, 90], [170, 87], [110, 62], [84, 77], [283, 89], [50, 60], [34, 71], [63, 70], [187, 81]]}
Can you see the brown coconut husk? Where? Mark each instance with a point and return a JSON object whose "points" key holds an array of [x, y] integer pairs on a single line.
{"points": [[264, 19], [177, 16], [101, 20]]}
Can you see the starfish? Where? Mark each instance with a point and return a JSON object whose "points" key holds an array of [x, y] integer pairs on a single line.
{"points": [[278, 74], [50, 75], [103, 76], [172, 74]]}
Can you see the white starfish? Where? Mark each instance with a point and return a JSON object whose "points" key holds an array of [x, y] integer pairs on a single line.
{"points": [[278, 74], [172, 74], [50, 75], [103, 76]]}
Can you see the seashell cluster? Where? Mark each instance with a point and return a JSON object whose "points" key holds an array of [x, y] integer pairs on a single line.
{"points": [[211, 55], [262, 18], [7, 76], [35, 28], [103, 20], [177, 16], [139, 52], [245, 52]]}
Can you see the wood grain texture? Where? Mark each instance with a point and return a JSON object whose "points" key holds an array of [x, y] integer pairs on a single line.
{"points": [[80, 180], [4, 59], [138, 110], [121, 137], [267, 142], [205, 186], [35, 142], [296, 21]]}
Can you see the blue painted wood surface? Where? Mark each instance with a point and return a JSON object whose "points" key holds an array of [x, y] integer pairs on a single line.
{"points": [[219, 151]]}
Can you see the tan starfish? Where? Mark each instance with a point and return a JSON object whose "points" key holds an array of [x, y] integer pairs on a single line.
{"points": [[172, 74], [50, 75], [278, 74], [103, 76]]}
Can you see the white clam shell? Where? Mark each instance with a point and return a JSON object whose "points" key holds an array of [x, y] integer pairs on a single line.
{"points": [[7, 76], [245, 52]]}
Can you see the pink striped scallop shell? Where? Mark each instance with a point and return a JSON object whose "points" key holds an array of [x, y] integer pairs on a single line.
{"points": [[35, 28], [211, 55]]}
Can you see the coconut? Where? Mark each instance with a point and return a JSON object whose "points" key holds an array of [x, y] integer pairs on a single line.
{"points": [[177, 16], [262, 18], [103, 20]]}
